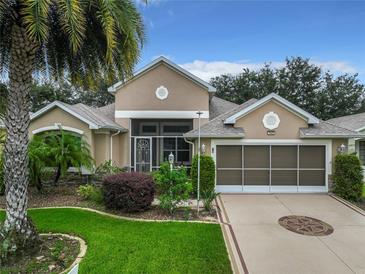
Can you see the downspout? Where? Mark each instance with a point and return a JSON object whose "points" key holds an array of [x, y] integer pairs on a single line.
{"points": [[189, 142], [111, 145]]}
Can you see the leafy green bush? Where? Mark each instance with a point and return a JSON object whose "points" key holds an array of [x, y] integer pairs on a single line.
{"points": [[59, 150], [348, 177], [91, 193], [208, 198], [129, 191], [207, 173], [107, 168], [2, 175], [174, 187]]}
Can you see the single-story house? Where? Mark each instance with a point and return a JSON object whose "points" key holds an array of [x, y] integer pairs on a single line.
{"points": [[266, 145], [355, 122]]}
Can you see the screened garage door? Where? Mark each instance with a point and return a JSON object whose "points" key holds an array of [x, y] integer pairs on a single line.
{"points": [[274, 168]]}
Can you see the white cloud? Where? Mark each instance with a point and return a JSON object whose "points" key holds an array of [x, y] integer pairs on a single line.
{"points": [[208, 69]]}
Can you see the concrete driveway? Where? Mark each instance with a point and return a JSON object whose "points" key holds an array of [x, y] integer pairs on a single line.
{"points": [[267, 247]]}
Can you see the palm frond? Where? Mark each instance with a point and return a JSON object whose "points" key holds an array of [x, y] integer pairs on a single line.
{"points": [[35, 17], [72, 19]]}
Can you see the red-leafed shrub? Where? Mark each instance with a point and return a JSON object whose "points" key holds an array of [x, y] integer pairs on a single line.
{"points": [[129, 191]]}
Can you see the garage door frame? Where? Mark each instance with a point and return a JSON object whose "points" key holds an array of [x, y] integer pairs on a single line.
{"points": [[275, 189]]}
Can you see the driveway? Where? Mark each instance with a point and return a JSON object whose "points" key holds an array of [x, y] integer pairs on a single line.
{"points": [[267, 247]]}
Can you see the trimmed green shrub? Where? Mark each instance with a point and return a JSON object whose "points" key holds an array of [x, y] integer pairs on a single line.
{"points": [[129, 191], [90, 193], [348, 177], [207, 173], [174, 187]]}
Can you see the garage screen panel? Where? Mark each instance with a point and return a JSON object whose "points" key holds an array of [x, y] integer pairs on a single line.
{"points": [[284, 165], [229, 156], [229, 177], [229, 165], [312, 161]]}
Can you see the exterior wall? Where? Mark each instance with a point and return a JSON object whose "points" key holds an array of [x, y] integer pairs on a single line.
{"points": [[183, 95], [288, 128], [57, 115], [124, 143], [101, 147], [202, 122], [207, 143]]}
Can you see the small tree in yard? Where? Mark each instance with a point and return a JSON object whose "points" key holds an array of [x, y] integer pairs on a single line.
{"points": [[348, 177], [174, 187], [82, 41], [207, 173]]}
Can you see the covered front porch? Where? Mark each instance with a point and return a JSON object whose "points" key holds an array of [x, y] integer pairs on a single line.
{"points": [[153, 140]]}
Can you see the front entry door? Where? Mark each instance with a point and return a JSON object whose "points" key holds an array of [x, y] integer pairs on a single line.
{"points": [[143, 154]]}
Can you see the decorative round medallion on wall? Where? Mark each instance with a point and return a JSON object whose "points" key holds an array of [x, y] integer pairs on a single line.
{"points": [[162, 93], [271, 120]]}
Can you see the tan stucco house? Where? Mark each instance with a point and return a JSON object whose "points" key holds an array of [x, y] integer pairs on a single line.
{"points": [[266, 145]]}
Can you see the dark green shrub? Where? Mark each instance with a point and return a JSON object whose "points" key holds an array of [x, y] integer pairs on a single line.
{"points": [[129, 191], [174, 187], [348, 177], [90, 193], [207, 173]]}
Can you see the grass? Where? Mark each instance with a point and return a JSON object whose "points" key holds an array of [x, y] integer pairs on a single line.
{"points": [[363, 191], [120, 246]]}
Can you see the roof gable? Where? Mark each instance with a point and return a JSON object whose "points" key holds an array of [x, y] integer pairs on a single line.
{"points": [[171, 65], [92, 117], [273, 96]]}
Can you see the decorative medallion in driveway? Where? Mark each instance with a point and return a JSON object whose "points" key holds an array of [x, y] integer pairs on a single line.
{"points": [[267, 247], [305, 225]]}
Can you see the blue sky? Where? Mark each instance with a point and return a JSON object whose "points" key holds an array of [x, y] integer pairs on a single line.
{"points": [[214, 37]]}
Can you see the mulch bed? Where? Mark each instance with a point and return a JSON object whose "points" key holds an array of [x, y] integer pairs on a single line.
{"points": [[66, 195], [55, 254]]}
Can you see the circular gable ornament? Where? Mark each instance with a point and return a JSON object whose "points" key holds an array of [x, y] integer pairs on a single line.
{"points": [[271, 120], [162, 93]]}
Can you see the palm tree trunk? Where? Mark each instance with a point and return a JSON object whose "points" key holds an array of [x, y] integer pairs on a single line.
{"points": [[17, 224], [58, 175]]}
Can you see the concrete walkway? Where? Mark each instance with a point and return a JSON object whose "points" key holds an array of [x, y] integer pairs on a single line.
{"points": [[266, 247]]}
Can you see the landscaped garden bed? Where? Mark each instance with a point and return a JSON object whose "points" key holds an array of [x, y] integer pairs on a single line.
{"points": [[122, 246], [55, 254], [66, 196]]}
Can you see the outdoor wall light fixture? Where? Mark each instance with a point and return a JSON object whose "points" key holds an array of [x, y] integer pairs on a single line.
{"points": [[203, 148], [341, 148]]}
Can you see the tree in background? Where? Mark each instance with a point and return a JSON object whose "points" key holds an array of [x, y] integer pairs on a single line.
{"points": [[299, 81], [81, 41], [43, 94]]}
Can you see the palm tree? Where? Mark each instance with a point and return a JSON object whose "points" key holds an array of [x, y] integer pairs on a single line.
{"points": [[82, 41]]}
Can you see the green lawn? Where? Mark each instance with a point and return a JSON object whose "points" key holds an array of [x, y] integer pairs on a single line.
{"points": [[119, 246]]}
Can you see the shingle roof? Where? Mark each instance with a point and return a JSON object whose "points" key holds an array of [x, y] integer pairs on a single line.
{"points": [[216, 128], [326, 129], [96, 118], [354, 122], [108, 111], [218, 106]]}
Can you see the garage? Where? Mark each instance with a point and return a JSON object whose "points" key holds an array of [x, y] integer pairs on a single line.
{"points": [[271, 168]]}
